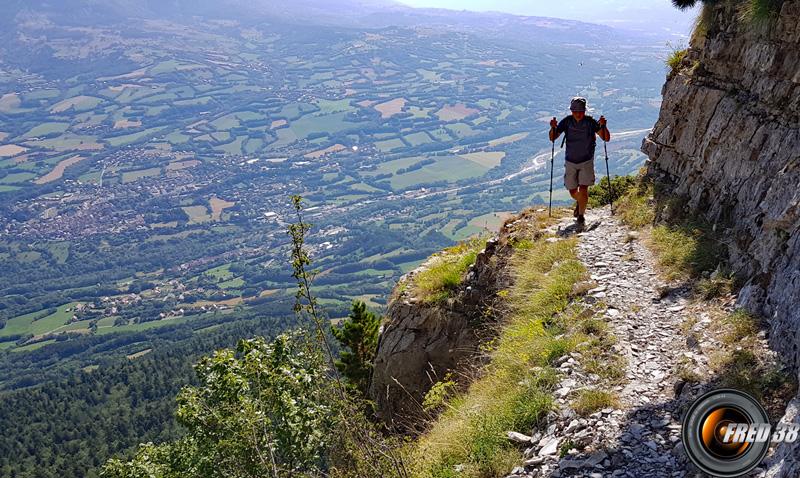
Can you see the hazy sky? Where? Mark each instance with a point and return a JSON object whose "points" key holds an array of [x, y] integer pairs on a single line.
{"points": [[653, 13]]}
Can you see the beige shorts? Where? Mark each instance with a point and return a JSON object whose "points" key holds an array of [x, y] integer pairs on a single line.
{"points": [[581, 174]]}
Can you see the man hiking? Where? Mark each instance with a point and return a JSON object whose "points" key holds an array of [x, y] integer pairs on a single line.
{"points": [[580, 133]]}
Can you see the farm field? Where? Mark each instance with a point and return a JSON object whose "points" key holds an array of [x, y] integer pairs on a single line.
{"points": [[147, 169], [163, 185]]}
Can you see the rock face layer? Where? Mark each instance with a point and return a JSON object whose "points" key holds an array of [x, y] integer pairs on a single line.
{"points": [[421, 342], [728, 141]]}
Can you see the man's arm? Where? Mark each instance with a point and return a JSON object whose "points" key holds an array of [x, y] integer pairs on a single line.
{"points": [[603, 132], [554, 131]]}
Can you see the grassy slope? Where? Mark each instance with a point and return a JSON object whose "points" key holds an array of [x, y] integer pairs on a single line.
{"points": [[514, 392]]}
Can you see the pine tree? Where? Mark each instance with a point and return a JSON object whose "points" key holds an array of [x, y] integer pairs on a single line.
{"points": [[359, 333]]}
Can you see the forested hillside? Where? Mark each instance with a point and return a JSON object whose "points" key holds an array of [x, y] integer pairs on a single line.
{"points": [[68, 427]]}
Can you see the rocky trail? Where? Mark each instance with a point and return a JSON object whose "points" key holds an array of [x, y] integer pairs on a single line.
{"points": [[640, 437]]}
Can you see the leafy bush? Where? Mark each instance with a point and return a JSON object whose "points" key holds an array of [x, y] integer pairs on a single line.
{"points": [[599, 195], [258, 411], [439, 394]]}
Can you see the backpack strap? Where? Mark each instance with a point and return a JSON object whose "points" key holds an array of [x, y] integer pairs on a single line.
{"points": [[564, 139], [592, 132]]}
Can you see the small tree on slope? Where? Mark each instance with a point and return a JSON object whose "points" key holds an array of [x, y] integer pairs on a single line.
{"points": [[359, 333]]}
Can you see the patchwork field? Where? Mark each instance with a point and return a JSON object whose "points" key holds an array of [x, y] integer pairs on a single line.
{"points": [[457, 111], [217, 206], [78, 103], [185, 156], [59, 169], [9, 150], [390, 108], [488, 159], [322, 152]]}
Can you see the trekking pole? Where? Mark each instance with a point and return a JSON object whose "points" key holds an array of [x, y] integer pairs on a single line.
{"points": [[608, 175], [552, 158]]}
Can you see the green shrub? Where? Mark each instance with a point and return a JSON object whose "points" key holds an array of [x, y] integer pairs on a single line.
{"points": [[269, 387], [358, 336], [439, 394], [599, 194]]}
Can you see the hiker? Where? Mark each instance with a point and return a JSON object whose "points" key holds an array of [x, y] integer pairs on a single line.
{"points": [[579, 131]]}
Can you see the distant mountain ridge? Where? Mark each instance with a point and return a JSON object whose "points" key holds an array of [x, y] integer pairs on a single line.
{"points": [[84, 11], [346, 13]]}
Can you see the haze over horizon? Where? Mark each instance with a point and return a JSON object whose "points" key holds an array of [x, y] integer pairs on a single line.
{"points": [[635, 14]]}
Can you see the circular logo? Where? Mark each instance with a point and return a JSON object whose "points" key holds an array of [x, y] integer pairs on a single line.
{"points": [[726, 433]]}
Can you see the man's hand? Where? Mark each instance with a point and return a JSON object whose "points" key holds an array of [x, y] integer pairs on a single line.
{"points": [[553, 130], [604, 134]]}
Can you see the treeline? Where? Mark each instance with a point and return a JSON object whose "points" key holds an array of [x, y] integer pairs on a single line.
{"points": [[67, 428], [59, 360]]}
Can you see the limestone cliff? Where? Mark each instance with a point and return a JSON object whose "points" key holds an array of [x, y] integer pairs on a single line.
{"points": [[728, 142], [421, 342]]}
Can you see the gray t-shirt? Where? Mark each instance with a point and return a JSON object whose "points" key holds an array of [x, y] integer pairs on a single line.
{"points": [[581, 139]]}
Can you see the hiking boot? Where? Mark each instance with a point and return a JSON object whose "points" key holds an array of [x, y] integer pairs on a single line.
{"points": [[575, 212], [581, 220]]}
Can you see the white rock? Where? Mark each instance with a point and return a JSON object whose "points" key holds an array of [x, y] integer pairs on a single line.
{"points": [[550, 447], [518, 437]]}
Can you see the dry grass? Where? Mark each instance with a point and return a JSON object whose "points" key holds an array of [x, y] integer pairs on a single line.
{"points": [[636, 207], [590, 401], [217, 206], [714, 286], [322, 152], [675, 59], [445, 272], [685, 250], [739, 326], [7, 150], [514, 392]]}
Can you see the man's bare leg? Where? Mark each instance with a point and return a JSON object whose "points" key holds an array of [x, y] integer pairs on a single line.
{"points": [[582, 196], [575, 196]]}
